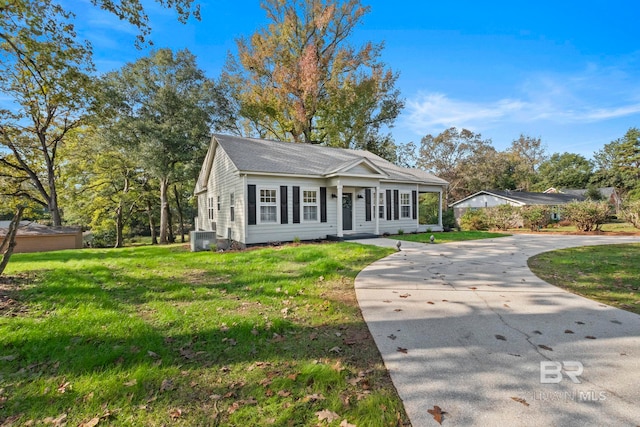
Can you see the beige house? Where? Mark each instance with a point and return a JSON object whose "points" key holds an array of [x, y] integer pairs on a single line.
{"points": [[32, 237]]}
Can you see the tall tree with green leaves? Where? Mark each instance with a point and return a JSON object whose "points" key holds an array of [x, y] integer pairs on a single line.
{"points": [[298, 79], [618, 164], [163, 108], [566, 170], [526, 154], [45, 76], [446, 155]]}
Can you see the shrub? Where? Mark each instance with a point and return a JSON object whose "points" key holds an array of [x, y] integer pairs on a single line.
{"points": [[449, 219], [502, 217], [104, 238], [474, 220], [631, 213], [535, 217], [587, 215]]}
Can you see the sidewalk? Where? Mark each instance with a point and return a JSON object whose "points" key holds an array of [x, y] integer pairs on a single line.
{"points": [[464, 326]]}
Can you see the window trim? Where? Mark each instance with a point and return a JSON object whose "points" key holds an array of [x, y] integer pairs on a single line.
{"points": [[260, 204], [405, 205], [382, 212], [232, 207], [304, 204], [210, 209]]}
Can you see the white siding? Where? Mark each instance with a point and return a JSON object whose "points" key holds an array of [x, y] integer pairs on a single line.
{"points": [[485, 201], [407, 225], [223, 180], [277, 232]]}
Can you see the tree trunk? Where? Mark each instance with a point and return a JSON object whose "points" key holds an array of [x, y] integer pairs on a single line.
{"points": [[152, 225], [180, 213], [170, 237], [9, 241], [119, 226], [164, 211]]}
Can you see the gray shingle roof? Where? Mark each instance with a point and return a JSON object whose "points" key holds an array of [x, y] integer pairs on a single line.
{"points": [[259, 155], [530, 198]]}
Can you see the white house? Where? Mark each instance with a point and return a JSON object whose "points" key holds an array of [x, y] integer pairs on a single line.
{"points": [[258, 191], [490, 198]]}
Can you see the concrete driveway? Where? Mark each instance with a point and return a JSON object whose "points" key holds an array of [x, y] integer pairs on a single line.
{"points": [[465, 326]]}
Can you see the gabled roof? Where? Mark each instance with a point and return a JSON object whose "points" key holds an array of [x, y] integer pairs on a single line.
{"points": [[251, 155], [34, 229], [525, 198]]}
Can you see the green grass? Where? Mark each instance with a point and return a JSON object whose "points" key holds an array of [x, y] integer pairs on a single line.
{"points": [[159, 336], [609, 273], [452, 236]]}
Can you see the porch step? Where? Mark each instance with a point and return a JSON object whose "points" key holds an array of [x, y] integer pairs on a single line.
{"points": [[351, 236]]}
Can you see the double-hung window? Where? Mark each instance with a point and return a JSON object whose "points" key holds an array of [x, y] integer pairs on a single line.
{"points": [[232, 207], [381, 205], [268, 205], [310, 205], [405, 205], [210, 208]]}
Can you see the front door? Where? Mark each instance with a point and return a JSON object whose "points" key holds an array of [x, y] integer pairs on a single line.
{"points": [[347, 211]]}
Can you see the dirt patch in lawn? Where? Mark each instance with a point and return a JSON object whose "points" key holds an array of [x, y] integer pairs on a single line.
{"points": [[10, 305]]}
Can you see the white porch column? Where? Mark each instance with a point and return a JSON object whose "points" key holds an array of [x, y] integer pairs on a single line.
{"points": [[440, 208], [417, 208], [339, 211], [376, 209]]}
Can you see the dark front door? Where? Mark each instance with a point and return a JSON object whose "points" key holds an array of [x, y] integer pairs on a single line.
{"points": [[347, 211]]}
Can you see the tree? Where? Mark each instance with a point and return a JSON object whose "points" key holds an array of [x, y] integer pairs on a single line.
{"points": [[45, 75], [446, 155], [299, 80], [566, 170], [618, 163], [163, 108], [8, 242], [526, 154]]}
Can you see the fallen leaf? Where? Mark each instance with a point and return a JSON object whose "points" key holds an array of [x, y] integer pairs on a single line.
{"points": [[63, 387], [393, 337], [131, 383], [327, 415], [284, 393], [335, 349], [402, 350], [167, 385], [313, 336], [568, 331], [405, 295], [519, 400], [91, 423], [473, 288], [437, 413], [152, 354], [398, 309], [387, 301], [544, 347], [345, 423], [8, 358], [590, 337], [580, 323], [506, 305], [313, 397], [59, 421], [500, 337], [537, 332], [430, 302]]}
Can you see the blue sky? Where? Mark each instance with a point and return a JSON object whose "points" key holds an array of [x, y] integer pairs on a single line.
{"points": [[567, 72]]}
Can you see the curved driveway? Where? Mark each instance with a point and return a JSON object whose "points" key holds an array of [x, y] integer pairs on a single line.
{"points": [[465, 326]]}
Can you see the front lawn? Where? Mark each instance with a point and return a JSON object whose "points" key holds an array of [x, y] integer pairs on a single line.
{"points": [[159, 336], [609, 274], [452, 236]]}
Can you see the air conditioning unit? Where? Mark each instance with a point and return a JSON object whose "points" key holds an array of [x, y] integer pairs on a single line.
{"points": [[202, 240]]}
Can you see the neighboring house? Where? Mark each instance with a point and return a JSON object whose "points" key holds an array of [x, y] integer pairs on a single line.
{"points": [[32, 237], [490, 198], [258, 191], [608, 193]]}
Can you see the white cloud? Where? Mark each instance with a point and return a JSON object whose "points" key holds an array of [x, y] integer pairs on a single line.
{"points": [[593, 96]]}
